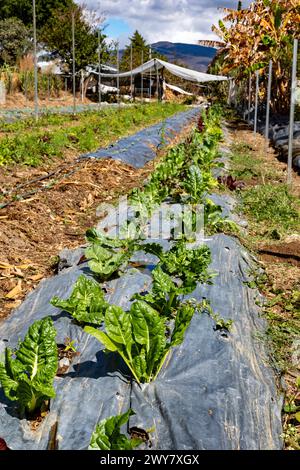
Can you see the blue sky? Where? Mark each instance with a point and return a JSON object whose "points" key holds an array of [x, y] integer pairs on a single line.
{"points": [[116, 27], [161, 20]]}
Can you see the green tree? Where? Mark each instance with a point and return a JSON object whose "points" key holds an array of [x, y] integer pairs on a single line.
{"points": [[138, 44], [14, 41], [57, 36], [22, 9]]}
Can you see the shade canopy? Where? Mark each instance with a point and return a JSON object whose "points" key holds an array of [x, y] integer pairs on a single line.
{"points": [[154, 65]]}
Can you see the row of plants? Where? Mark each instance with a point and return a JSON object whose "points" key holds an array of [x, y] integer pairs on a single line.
{"points": [[157, 319], [30, 143]]}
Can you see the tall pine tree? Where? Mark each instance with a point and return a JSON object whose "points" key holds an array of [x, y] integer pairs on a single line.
{"points": [[139, 45]]}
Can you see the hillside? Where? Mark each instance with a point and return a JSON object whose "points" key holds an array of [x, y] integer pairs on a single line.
{"points": [[194, 56]]}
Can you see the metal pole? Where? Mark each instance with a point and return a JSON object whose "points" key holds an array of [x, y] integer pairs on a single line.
{"points": [[292, 112], [142, 84], [73, 60], [268, 101], [256, 101], [150, 85], [157, 81], [249, 98], [131, 77], [82, 84], [118, 78], [36, 104], [99, 69]]}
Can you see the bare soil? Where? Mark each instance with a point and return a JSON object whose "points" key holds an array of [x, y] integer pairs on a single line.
{"points": [[35, 229], [283, 252], [17, 101], [50, 208]]}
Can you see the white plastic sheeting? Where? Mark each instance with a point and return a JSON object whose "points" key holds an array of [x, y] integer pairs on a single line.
{"points": [[178, 89], [108, 89], [157, 64]]}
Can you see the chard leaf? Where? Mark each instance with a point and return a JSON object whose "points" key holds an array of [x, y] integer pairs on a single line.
{"points": [[183, 319], [139, 314], [38, 352], [102, 337], [29, 377], [118, 327], [107, 435], [153, 248], [105, 262], [194, 182], [97, 237], [86, 303], [155, 333], [140, 365], [8, 379], [162, 283]]}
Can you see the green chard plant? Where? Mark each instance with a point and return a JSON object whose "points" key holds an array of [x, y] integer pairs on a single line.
{"points": [[108, 255], [107, 435], [140, 337], [27, 374], [197, 183], [177, 274], [86, 303]]}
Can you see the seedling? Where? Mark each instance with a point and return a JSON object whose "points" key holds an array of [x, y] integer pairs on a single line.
{"points": [[70, 345]]}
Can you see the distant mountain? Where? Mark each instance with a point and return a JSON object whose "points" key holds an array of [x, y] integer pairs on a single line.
{"points": [[193, 56]]}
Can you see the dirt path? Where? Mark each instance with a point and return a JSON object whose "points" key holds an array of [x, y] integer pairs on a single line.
{"points": [[272, 253], [280, 259]]}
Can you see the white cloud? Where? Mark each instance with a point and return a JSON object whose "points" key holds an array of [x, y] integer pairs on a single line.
{"points": [[166, 20]]}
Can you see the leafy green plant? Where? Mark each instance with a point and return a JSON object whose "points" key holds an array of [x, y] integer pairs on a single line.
{"points": [[28, 377], [70, 345], [221, 324], [107, 255], [24, 144], [86, 303], [214, 221], [197, 183], [188, 264], [107, 435], [178, 272], [139, 337], [165, 294]]}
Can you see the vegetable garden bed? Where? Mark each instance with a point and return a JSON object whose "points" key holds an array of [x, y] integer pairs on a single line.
{"points": [[179, 327]]}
